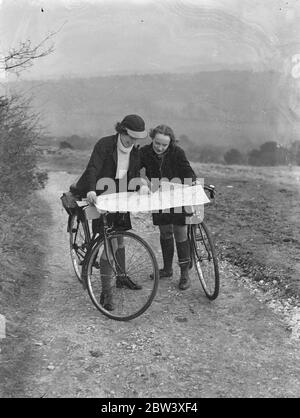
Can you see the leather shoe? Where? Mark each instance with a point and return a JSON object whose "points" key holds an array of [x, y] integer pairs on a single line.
{"points": [[163, 273], [125, 281]]}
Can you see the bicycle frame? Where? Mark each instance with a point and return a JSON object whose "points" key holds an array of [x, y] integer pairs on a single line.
{"points": [[108, 247], [203, 240]]}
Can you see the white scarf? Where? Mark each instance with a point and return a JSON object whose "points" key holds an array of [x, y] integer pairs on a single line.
{"points": [[123, 159], [121, 146]]}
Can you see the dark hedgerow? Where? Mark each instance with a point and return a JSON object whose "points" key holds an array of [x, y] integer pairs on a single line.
{"points": [[19, 130], [20, 177]]}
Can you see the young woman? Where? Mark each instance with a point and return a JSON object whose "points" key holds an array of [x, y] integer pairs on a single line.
{"points": [[113, 158], [164, 159]]}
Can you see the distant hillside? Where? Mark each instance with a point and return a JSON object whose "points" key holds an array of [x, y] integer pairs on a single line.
{"points": [[227, 108]]}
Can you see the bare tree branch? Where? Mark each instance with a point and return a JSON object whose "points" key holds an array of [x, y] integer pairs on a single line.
{"points": [[22, 57]]}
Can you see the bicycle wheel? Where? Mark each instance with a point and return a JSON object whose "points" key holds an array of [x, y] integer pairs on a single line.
{"points": [[79, 233], [205, 259], [138, 262]]}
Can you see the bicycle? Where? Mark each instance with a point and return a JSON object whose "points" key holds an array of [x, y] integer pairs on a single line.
{"points": [[78, 230], [86, 251], [79, 240], [204, 256], [134, 266]]}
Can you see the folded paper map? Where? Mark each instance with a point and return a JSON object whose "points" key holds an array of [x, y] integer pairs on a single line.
{"points": [[170, 195]]}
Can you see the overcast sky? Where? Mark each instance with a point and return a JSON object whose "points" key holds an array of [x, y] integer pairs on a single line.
{"points": [[97, 37]]}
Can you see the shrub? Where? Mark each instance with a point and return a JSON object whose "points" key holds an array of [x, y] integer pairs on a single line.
{"points": [[19, 131], [233, 156], [294, 153], [65, 145], [270, 153]]}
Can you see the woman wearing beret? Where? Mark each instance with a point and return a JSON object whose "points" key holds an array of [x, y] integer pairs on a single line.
{"points": [[164, 159], [113, 158]]}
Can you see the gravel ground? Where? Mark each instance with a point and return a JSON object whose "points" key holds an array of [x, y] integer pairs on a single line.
{"points": [[244, 344]]}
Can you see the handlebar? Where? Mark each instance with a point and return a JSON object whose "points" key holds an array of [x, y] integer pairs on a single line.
{"points": [[210, 189]]}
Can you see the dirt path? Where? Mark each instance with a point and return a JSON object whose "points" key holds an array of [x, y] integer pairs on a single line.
{"points": [[183, 346]]}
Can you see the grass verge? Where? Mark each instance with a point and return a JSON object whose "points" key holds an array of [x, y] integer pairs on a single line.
{"points": [[256, 223], [22, 237]]}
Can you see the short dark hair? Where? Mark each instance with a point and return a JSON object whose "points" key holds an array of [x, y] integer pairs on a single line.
{"points": [[165, 130], [120, 128], [133, 125]]}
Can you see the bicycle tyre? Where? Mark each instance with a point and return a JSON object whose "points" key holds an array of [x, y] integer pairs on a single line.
{"points": [[205, 258], [137, 301], [79, 239]]}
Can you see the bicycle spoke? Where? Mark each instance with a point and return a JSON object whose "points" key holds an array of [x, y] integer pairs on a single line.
{"points": [[79, 239], [205, 259], [137, 263]]}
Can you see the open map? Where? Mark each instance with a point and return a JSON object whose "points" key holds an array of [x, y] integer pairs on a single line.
{"points": [[171, 195]]}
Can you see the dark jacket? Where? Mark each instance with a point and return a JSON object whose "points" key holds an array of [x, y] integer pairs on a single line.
{"points": [[103, 163], [173, 163]]}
